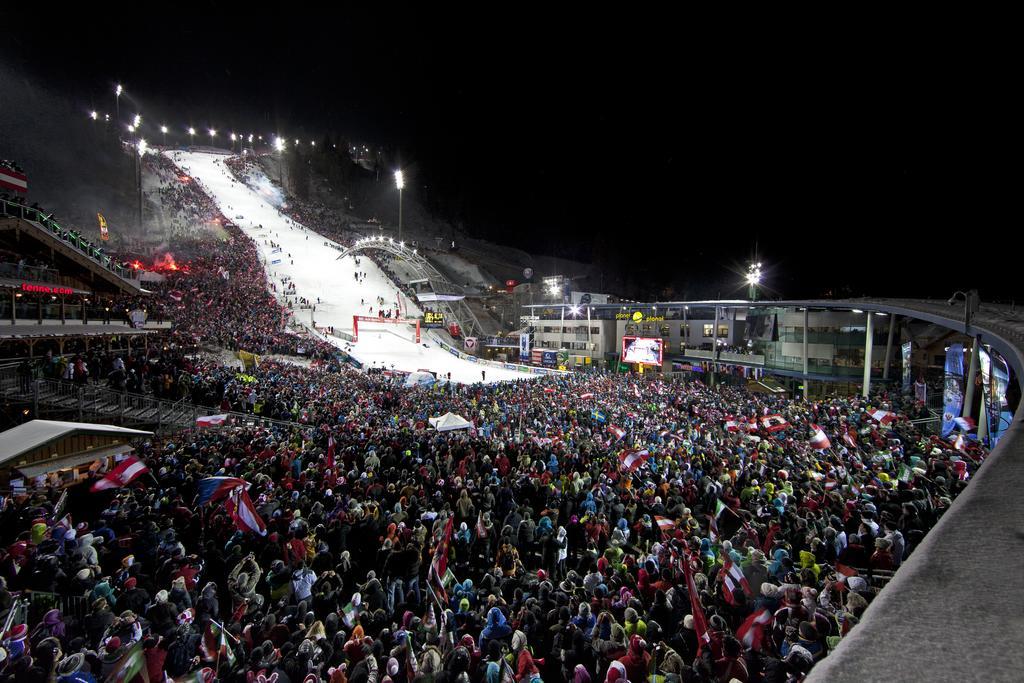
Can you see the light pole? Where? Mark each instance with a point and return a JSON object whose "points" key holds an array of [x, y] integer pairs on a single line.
{"points": [[213, 134], [399, 183], [753, 280], [142, 147], [279, 146], [233, 139], [163, 129], [971, 304], [192, 136], [117, 102]]}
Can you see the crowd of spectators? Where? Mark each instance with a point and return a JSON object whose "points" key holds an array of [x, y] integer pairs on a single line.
{"points": [[584, 527], [727, 553]]}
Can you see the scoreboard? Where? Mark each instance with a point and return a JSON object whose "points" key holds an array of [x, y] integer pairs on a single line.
{"points": [[433, 319]]}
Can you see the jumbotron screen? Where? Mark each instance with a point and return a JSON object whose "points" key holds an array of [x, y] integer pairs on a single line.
{"points": [[644, 350]]}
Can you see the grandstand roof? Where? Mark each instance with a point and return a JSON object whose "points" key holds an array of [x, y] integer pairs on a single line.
{"points": [[39, 433]]}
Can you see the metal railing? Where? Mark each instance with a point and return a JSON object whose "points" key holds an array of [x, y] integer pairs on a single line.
{"points": [[93, 402], [71, 238], [32, 273]]}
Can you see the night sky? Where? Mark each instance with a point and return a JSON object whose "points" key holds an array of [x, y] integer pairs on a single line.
{"points": [[660, 148]]}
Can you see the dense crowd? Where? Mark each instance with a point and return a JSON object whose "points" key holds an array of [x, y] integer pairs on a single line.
{"points": [[223, 300], [180, 195], [590, 527], [527, 547]]}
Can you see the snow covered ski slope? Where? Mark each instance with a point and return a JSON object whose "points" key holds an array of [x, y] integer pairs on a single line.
{"points": [[316, 272]]}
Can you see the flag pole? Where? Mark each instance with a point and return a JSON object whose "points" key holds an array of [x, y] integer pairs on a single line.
{"points": [[225, 631]]}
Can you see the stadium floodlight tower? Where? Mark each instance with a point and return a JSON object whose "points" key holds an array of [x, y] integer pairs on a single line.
{"points": [[399, 183], [213, 134], [192, 135], [753, 279], [117, 101], [279, 147], [163, 129], [142, 147]]}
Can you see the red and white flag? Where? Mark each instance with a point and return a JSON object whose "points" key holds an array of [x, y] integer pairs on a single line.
{"points": [[665, 524], [713, 528], [619, 432], [774, 423], [13, 180], [882, 416], [819, 441], [630, 460], [211, 420], [751, 632], [850, 438], [129, 469], [966, 424], [700, 622], [243, 512], [587, 395], [734, 426], [733, 580]]}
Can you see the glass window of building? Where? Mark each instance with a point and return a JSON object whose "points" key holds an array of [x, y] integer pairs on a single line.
{"points": [[709, 330]]}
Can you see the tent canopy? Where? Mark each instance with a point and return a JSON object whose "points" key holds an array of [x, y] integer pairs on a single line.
{"points": [[419, 377], [449, 422]]}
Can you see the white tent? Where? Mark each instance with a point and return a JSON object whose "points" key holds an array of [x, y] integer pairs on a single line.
{"points": [[449, 421], [417, 378]]}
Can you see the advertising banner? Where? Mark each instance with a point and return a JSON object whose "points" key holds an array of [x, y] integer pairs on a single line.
{"points": [[549, 359], [470, 343], [524, 346], [1000, 383], [952, 393], [995, 377], [907, 348], [584, 298]]}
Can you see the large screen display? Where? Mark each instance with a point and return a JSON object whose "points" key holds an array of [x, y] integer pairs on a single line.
{"points": [[433, 319], [644, 350]]}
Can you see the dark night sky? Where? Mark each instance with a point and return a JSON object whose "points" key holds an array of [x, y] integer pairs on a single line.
{"points": [[867, 163]]}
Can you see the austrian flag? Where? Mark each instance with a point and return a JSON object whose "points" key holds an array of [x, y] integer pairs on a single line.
{"points": [[665, 524], [735, 426], [882, 416], [819, 441], [13, 180], [751, 631], [631, 460], [774, 423], [733, 580], [243, 512], [130, 469], [619, 432]]}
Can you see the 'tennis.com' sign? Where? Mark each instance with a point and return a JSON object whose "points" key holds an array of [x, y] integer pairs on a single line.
{"points": [[45, 289]]}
